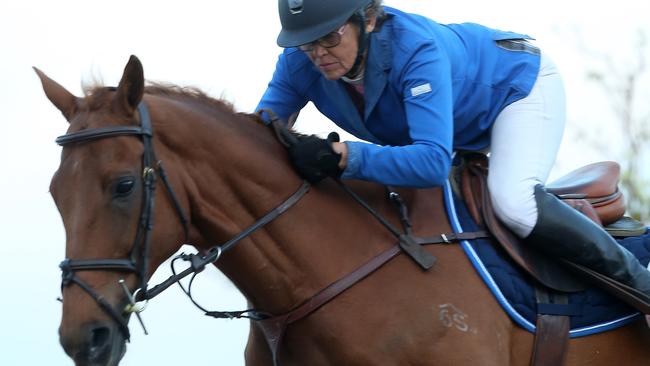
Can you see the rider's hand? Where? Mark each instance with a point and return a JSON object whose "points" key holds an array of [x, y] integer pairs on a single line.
{"points": [[314, 158]]}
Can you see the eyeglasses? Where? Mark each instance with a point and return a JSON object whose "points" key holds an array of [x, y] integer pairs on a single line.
{"points": [[328, 41]]}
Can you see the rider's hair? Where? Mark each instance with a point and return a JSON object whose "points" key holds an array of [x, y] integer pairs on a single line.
{"points": [[375, 8]]}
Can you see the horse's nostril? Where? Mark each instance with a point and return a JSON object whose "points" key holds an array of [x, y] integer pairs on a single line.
{"points": [[100, 336], [98, 343]]}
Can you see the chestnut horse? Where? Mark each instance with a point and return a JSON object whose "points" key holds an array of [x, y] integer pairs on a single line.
{"points": [[225, 170]]}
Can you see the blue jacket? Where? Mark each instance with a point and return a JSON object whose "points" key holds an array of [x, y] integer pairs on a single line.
{"points": [[429, 89]]}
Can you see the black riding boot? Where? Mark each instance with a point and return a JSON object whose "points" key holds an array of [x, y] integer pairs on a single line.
{"points": [[565, 233]]}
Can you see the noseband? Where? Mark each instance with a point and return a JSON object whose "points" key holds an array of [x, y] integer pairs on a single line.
{"points": [[138, 261]]}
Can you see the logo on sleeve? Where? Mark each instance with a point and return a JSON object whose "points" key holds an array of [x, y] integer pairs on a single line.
{"points": [[420, 89]]}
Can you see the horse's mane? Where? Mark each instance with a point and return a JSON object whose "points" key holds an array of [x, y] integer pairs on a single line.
{"points": [[97, 95]]}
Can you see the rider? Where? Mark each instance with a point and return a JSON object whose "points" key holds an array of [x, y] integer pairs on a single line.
{"points": [[417, 90]]}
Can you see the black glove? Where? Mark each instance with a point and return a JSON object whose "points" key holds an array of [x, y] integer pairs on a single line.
{"points": [[314, 158]]}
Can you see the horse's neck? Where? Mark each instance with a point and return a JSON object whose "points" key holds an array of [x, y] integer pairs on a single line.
{"points": [[233, 175]]}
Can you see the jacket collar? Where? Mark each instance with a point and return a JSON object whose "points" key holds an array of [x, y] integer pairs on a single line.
{"points": [[378, 64]]}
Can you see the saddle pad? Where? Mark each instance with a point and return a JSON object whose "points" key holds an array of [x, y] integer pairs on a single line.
{"points": [[598, 311]]}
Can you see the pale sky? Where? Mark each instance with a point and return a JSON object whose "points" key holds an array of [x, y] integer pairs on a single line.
{"points": [[227, 48]]}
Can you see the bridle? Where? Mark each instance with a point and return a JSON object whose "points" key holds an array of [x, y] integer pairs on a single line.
{"points": [[138, 261]]}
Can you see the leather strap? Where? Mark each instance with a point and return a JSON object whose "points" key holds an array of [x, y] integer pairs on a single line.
{"points": [[100, 133], [623, 292], [551, 340], [199, 262], [274, 327], [552, 331], [71, 265]]}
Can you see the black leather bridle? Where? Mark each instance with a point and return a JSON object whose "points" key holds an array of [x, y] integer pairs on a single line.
{"points": [[138, 261]]}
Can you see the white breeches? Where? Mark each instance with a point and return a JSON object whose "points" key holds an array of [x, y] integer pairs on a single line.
{"points": [[526, 137]]}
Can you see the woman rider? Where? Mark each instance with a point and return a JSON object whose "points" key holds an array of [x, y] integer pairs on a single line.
{"points": [[416, 90]]}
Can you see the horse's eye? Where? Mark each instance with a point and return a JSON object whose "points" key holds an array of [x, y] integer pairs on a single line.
{"points": [[124, 186]]}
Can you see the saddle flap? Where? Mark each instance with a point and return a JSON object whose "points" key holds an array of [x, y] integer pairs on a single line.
{"points": [[541, 267]]}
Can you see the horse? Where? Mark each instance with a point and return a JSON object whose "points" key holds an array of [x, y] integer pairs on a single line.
{"points": [[223, 171]]}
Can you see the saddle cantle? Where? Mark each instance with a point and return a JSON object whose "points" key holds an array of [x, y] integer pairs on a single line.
{"points": [[546, 270], [592, 188]]}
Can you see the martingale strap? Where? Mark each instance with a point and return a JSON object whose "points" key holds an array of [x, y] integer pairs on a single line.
{"points": [[274, 327]]}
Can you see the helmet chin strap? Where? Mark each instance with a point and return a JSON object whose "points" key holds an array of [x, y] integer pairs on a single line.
{"points": [[363, 44]]}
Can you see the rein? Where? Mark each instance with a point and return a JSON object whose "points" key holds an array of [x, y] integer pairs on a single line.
{"points": [[198, 263]]}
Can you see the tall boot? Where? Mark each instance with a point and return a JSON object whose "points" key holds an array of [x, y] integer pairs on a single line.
{"points": [[563, 232]]}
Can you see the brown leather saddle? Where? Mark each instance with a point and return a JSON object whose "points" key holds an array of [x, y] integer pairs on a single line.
{"points": [[592, 189]]}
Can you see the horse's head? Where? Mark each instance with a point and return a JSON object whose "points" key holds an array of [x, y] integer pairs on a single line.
{"points": [[104, 192]]}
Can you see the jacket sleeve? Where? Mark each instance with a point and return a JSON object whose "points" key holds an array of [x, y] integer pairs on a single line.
{"points": [[282, 96], [426, 84]]}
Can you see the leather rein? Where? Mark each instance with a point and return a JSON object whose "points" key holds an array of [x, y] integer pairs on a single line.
{"points": [[273, 326]]}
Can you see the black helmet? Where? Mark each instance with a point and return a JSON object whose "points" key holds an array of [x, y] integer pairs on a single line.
{"points": [[305, 21]]}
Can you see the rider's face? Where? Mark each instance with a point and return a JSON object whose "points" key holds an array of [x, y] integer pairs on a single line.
{"points": [[334, 62]]}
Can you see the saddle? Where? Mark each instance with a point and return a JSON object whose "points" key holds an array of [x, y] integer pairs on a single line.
{"points": [[593, 191]]}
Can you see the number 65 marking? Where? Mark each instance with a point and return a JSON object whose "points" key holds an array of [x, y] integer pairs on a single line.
{"points": [[451, 316]]}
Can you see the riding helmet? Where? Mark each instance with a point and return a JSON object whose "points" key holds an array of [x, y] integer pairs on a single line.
{"points": [[305, 21]]}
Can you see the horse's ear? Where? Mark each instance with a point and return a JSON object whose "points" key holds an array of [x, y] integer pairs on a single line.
{"points": [[131, 87], [58, 95]]}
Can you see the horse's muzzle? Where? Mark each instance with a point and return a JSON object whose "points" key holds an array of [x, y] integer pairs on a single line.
{"points": [[94, 344]]}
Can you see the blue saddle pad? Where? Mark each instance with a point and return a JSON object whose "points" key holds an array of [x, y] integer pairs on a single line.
{"points": [[596, 310]]}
